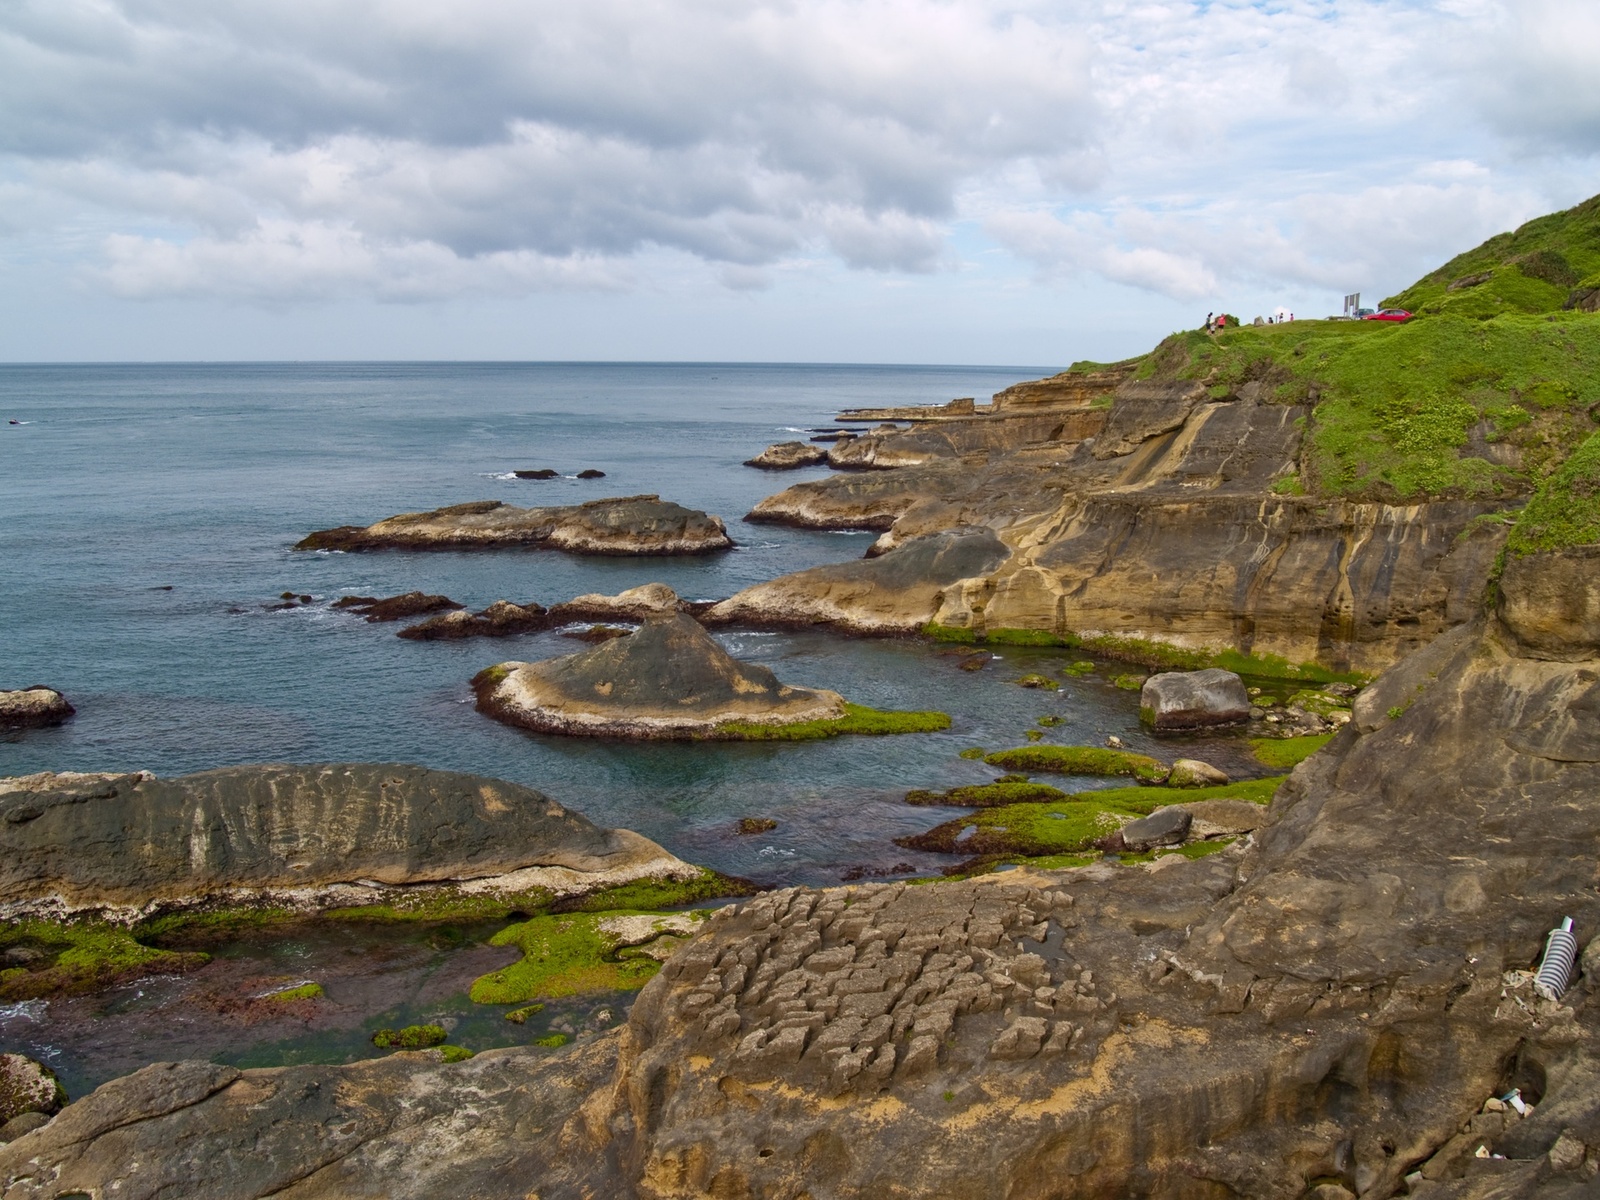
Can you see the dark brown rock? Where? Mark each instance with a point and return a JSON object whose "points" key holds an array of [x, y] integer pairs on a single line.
{"points": [[500, 619], [539, 473], [395, 608], [621, 525]]}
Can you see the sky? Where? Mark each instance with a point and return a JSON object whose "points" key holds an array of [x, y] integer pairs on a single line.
{"points": [[918, 181]]}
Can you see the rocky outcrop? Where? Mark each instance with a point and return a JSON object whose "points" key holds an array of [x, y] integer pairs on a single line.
{"points": [[1327, 1009], [898, 592], [634, 604], [310, 836], [788, 456], [668, 680], [500, 619], [1178, 701], [34, 707], [1550, 603], [622, 525], [1178, 523]]}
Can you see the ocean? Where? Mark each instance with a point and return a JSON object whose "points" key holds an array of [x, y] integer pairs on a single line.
{"points": [[148, 518]]}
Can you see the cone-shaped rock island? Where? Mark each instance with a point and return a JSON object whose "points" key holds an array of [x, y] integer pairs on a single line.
{"points": [[671, 680]]}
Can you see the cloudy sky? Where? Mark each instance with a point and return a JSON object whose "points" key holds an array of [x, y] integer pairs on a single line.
{"points": [[981, 181]]}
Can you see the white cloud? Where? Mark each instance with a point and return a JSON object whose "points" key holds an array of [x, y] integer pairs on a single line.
{"points": [[279, 150]]}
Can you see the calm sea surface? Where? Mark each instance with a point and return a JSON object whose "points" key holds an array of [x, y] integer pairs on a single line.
{"points": [[125, 481], [146, 520]]}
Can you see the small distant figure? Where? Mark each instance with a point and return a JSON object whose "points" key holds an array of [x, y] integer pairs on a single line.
{"points": [[13, 421], [1210, 325]]}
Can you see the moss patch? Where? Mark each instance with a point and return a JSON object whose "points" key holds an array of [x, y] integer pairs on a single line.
{"points": [[412, 1037], [62, 958], [454, 1054], [425, 905], [1069, 826], [1155, 654], [649, 894], [305, 991], [987, 795], [552, 1041], [1281, 754], [857, 719], [564, 955], [1566, 509], [519, 1016], [1079, 760]]}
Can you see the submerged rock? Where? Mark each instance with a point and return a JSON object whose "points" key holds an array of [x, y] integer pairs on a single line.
{"points": [[668, 680], [621, 525], [500, 619], [787, 456], [1179, 700], [312, 836], [395, 608], [897, 592], [33, 708]]}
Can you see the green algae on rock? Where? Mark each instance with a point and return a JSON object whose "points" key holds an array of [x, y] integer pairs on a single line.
{"points": [[1079, 760], [1070, 825], [987, 795], [576, 953], [62, 958], [412, 1037]]}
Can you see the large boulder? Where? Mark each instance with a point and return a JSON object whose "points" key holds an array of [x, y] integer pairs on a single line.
{"points": [[897, 592], [1174, 701], [33, 708], [27, 1087], [788, 456], [315, 834], [1164, 827], [668, 680], [621, 525]]}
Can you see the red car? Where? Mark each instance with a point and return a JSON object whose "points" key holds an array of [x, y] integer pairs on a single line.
{"points": [[1388, 314]]}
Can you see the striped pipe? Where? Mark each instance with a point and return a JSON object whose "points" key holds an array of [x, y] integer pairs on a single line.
{"points": [[1555, 968]]}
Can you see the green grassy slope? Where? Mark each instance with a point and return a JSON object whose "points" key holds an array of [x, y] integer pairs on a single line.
{"points": [[1484, 395]]}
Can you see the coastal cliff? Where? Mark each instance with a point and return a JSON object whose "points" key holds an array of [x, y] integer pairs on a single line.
{"points": [[1323, 492]]}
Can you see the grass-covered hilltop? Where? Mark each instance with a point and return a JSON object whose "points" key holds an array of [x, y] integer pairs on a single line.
{"points": [[1483, 394], [1311, 499]]}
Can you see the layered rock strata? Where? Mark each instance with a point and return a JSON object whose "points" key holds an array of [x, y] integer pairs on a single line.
{"points": [[36, 707], [898, 592], [668, 680], [308, 836], [1170, 516], [621, 525], [633, 604], [1325, 1010]]}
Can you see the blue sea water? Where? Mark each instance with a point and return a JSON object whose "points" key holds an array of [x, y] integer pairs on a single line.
{"points": [[147, 515]]}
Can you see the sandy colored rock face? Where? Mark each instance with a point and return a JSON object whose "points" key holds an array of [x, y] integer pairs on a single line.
{"points": [[788, 456], [896, 593], [33, 708], [1163, 517], [634, 604], [92, 841], [622, 525], [668, 680], [1551, 603]]}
